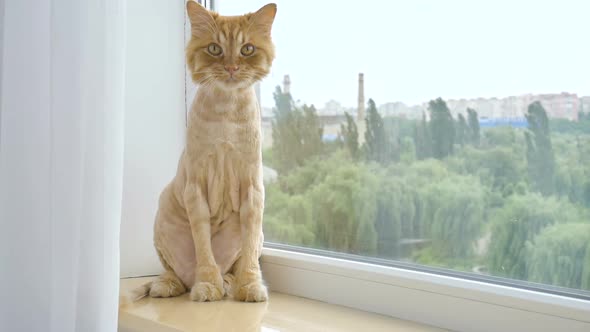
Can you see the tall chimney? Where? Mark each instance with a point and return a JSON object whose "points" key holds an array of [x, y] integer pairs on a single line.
{"points": [[286, 84], [360, 115]]}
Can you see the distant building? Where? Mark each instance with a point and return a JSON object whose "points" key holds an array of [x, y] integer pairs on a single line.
{"points": [[286, 84], [508, 109], [585, 104], [332, 107], [561, 106], [497, 122], [361, 98], [396, 108], [267, 112], [558, 106], [360, 113], [330, 137]]}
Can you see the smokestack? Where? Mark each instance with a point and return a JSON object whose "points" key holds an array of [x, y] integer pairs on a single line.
{"points": [[360, 115], [286, 84]]}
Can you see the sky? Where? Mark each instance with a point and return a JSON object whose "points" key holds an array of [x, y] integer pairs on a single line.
{"points": [[416, 50]]}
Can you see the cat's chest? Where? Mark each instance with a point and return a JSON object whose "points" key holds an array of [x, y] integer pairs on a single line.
{"points": [[238, 139], [216, 132]]}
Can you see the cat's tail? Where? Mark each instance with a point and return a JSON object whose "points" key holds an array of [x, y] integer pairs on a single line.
{"points": [[135, 294]]}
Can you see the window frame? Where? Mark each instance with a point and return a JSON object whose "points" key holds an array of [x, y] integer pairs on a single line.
{"points": [[420, 295], [437, 300]]}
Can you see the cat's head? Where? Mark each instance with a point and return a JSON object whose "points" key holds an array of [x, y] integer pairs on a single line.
{"points": [[229, 51]]}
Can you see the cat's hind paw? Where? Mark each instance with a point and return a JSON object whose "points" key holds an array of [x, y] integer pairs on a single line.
{"points": [[167, 285]]}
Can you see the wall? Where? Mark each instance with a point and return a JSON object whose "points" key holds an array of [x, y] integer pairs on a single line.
{"points": [[154, 123], [1, 58]]}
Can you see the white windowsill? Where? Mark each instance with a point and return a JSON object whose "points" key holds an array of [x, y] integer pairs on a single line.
{"points": [[281, 313], [431, 299]]}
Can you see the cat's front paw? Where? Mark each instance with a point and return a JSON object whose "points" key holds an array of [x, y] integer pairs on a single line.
{"points": [[253, 291], [209, 285], [205, 291]]}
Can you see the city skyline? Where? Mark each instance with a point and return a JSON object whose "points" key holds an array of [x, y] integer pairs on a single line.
{"points": [[558, 105], [353, 105]]}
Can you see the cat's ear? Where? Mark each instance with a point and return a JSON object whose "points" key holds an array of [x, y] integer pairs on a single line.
{"points": [[201, 19], [263, 18]]}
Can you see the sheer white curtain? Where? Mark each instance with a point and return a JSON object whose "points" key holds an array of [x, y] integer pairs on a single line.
{"points": [[61, 163]]}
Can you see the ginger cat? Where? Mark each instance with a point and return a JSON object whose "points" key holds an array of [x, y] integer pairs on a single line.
{"points": [[208, 229]]}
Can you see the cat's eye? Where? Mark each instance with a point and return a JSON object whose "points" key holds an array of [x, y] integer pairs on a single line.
{"points": [[248, 50], [214, 49]]}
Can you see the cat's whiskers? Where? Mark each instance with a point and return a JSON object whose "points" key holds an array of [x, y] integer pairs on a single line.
{"points": [[208, 81]]}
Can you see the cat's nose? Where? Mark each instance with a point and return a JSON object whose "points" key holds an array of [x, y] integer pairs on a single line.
{"points": [[231, 68]]}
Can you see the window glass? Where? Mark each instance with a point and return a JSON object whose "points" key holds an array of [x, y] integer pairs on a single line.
{"points": [[450, 134]]}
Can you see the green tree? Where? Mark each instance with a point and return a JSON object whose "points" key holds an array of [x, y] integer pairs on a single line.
{"points": [[423, 139], [288, 214], [474, 129], [456, 204], [559, 256], [283, 102], [499, 136], [378, 145], [463, 135], [400, 126], [344, 208], [499, 168], [516, 224], [442, 129], [572, 171], [350, 136], [296, 133], [396, 212], [394, 141], [582, 126], [407, 150], [539, 153], [287, 219], [311, 132], [416, 206], [283, 132], [302, 179]]}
